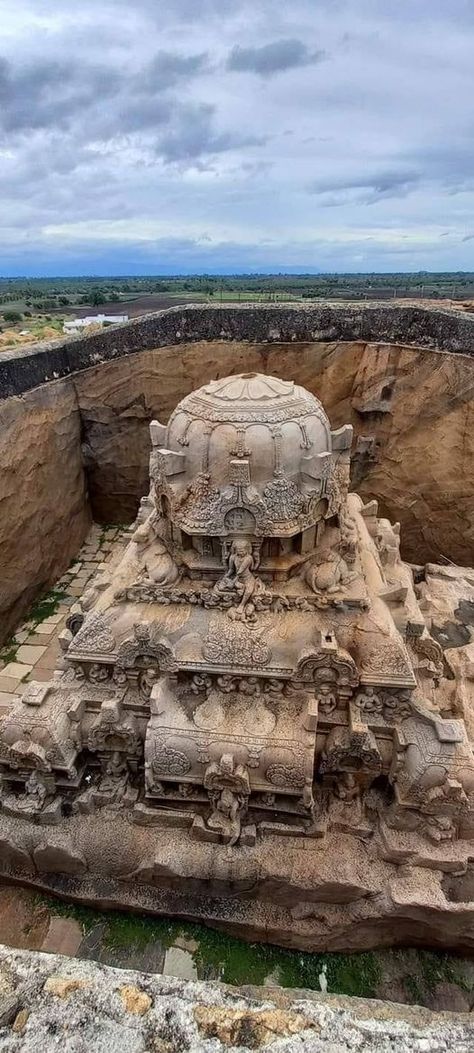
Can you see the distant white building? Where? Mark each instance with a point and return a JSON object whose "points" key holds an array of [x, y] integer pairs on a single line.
{"points": [[76, 324]]}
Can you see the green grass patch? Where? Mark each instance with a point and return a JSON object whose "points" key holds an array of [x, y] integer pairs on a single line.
{"points": [[8, 651], [232, 960], [46, 606]]}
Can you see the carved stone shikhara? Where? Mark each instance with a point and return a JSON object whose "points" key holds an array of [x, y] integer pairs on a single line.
{"points": [[256, 667]]}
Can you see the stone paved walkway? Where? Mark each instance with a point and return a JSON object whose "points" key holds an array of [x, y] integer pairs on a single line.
{"points": [[34, 651]]}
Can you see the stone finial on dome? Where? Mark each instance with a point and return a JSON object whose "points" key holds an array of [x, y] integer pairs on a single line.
{"points": [[252, 387]]}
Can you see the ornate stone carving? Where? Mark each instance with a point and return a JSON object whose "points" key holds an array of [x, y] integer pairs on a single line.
{"points": [[170, 761], [234, 644], [328, 572], [284, 775], [95, 636], [241, 579], [228, 787], [114, 730], [326, 699], [154, 554], [282, 500], [229, 644], [327, 664], [430, 654], [346, 751], [146, 646], [388, 658], [368, 701]]}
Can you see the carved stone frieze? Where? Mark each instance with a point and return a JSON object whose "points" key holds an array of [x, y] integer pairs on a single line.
{"points": [[234, 644], [94, 636]]}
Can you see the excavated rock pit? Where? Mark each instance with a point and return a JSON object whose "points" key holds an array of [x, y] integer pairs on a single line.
{"points": [[74, 420]]}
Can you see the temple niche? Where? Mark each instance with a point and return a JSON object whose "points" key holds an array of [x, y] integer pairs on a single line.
{"points": [[257, 666]]}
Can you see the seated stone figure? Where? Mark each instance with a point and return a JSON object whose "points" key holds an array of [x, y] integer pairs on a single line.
{"points": [[241, 579], [34, 797], [115, 775]]}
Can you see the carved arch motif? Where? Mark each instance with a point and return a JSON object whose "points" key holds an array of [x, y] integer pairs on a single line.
{"points": [[143, 644], [313, 665]]}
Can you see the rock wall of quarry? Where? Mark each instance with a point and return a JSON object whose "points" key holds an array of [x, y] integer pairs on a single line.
{"points": [[74, 418], [44, 510]]}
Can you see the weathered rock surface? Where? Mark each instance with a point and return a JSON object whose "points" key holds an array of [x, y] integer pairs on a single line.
{"points": [[266, 893], [44, 514], [49, 1002]]}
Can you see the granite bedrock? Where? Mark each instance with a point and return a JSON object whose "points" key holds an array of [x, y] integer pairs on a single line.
{"points": [[74, 420]]}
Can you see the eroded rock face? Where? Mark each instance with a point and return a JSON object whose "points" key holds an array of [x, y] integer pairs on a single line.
{"points": [[55, 1002], [414, 406], [44, 514]]}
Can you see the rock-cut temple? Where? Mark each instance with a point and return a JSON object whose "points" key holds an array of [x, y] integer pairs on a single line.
{"points": [[255, 678]]}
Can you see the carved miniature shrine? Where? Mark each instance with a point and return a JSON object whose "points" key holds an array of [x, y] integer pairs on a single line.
{"points": [[256, 667]]}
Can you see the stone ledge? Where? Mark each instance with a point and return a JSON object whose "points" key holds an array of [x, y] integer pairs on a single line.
{"points": [[440, 329], [48, 1002]]}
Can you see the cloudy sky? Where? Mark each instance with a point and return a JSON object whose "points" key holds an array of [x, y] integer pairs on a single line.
{"points": [[160, 136]]}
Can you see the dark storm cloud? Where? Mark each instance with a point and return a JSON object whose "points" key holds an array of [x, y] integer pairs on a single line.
{"points": [[192, 134], [272, 58], [168, 68], [49, 93]]}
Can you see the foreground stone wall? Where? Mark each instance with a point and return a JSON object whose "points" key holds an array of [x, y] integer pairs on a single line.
{"points": [[48, 1002], [402, 374]]}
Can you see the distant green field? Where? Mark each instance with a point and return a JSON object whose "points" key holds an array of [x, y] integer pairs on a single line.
{"points": [[48, 294]]}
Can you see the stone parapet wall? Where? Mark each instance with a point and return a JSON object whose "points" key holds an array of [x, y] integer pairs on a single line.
{"points": [[432, 328], [48, 1002]]}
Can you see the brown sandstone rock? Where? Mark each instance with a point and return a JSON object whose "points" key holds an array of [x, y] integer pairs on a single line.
{"points": [[44, 514], [53, 859], [63, 986], [20, 1021], [134, 1000], [252, 1028]]}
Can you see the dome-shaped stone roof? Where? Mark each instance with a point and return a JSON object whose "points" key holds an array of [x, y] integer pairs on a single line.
{"points": [[249, 442]]}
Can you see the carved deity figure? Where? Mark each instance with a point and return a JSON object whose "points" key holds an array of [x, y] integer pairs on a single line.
{"points": [[326, 699], [115, 775], [34, 797], [98, 673], [240, 578], [200, 682], [228, 787], [250, 685], [148, 680], [388, 542], [368, 701], [226, 683], [347, 787]]}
